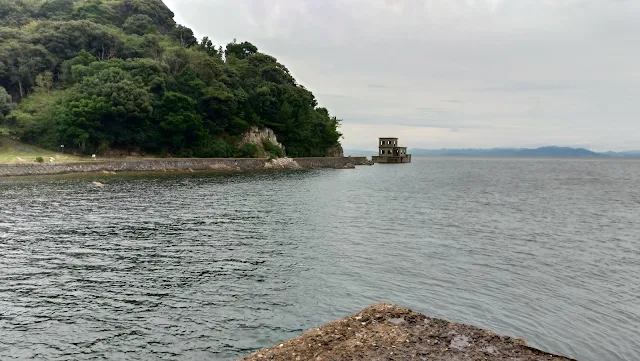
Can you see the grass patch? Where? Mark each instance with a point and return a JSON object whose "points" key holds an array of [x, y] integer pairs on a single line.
{"points": [[272, 150], [12, 151]]}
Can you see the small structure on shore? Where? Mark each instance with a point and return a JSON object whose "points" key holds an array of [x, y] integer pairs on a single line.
{"points": [[390, 152]]}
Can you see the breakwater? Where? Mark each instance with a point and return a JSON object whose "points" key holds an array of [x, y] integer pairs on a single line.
{"points": [[179, 164]]}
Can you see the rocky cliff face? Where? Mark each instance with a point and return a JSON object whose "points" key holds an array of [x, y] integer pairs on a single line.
{"points": [[336, 151], [258, 136]]}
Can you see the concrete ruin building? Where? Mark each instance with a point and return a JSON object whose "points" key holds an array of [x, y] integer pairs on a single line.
{"points": [[389, 151]]}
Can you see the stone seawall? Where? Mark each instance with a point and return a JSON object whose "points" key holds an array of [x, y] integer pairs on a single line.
{"points": [[173, 164]]}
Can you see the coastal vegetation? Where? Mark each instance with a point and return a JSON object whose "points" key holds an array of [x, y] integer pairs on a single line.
{"points": [[120, 75]]}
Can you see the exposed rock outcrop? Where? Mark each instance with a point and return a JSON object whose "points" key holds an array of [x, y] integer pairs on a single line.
{"points": [[282, 163], [258, 136], [336, 151], [389, 332]]}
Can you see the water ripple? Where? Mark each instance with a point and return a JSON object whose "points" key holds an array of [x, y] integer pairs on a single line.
{"points": [[212, 267]]}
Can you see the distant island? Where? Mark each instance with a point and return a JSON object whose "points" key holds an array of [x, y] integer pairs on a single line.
{"points": [[551, 151]]}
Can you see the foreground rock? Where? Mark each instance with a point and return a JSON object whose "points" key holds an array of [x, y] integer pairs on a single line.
{"points": [[389, 332]]}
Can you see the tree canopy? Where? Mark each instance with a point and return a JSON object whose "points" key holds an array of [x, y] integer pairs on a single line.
{"points": [[99, 75]]}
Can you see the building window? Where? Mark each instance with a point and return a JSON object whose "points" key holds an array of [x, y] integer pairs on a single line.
{"points": [[382, 142], [382, 152]]}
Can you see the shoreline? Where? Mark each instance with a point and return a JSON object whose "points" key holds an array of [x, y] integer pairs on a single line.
{"points": [[389, 332], [179, 164]]}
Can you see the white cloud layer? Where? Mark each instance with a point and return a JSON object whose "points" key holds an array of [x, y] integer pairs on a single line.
{"points": [[452, 73]]}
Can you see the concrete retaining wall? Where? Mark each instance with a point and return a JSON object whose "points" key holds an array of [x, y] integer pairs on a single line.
{"points": [[149, 165]]}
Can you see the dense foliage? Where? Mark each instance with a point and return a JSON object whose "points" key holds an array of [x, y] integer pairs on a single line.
{"points": [[97, 75]]}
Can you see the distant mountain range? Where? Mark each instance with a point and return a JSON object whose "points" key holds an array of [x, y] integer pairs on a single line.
{"points": [[511, 152], [628, 154]]}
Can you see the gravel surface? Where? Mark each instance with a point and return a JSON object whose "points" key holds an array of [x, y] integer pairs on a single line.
{"points": [[389, 332]]}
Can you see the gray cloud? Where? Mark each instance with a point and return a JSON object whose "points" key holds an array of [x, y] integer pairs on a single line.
{"points": [[450, 73]]}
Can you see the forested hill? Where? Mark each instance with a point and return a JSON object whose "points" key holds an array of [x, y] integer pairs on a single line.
{"points": [[98, 75]]}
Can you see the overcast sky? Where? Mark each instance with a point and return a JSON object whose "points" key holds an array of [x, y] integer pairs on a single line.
{"points": [[452, 73]]}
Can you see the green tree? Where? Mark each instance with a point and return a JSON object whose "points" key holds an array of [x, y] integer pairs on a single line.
{"points": [[177, 60], [187, 83], [18, 35], [180, 125], [80, 122], [96, 11], [17, 12], [127, 122], [34, 118], [65, 39], [153, 47], [44, 82], [240, 50], [56, 10], [156, 10], [139, 24], [206, 46], [83, 59], [184, 36], [6, 103], [21, 63]]}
